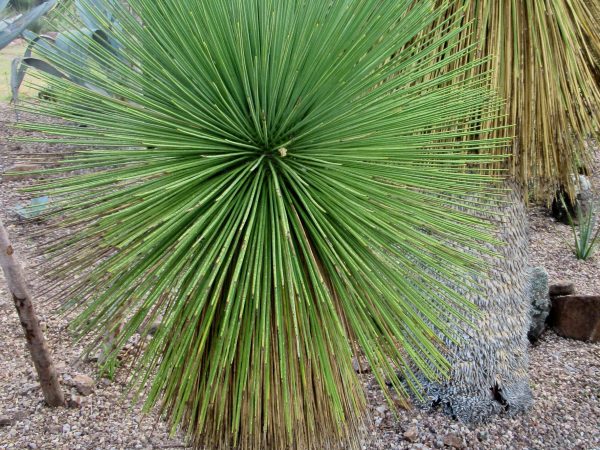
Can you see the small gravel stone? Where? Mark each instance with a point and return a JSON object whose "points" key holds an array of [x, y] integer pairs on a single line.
{"points": [[6, 421], [75, 401], [84, 384], [453, 440], [411, 435], [381, 409]]}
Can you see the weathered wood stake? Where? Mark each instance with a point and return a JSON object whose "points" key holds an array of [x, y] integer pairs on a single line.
{"points": [[40, 354]]}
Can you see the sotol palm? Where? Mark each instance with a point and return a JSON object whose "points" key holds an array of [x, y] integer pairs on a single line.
{"points": [[263, 179]]}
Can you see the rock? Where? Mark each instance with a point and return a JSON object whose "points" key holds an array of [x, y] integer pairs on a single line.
{"points": [[360, 366], [84, 384], [74, 401], [381, 409], [28, 388], [32, 446], [453, 440], [6, 421], [561, 288], [583, 199], [412, 434], [540, 303], [585, 196], [20, 172], [20, 415], [66, 428], [576, 317]]}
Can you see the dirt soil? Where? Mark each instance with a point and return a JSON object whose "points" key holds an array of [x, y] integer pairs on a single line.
{"points": [[565, 374]]}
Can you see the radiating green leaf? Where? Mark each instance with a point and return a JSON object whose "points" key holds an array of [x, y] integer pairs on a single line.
{"points": [[269, 179]]}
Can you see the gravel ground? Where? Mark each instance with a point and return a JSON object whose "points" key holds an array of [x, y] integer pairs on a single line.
{"points": [[565, 374]]}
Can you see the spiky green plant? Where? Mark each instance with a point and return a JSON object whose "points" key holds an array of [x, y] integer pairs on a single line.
{"points": [[585, 234], [542, 59], [267, 182]]}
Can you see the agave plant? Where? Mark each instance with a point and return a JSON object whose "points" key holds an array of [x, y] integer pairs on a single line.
{"points": [[71, 43], [267, 182], [541, 54], [11, 27], [583, 226]]}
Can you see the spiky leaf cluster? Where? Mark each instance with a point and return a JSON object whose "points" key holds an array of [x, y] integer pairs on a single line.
{"points": [[267, 179]]}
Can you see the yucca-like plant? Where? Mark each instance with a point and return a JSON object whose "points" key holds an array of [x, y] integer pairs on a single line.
{"points": [[542, 60], [267, 182]]}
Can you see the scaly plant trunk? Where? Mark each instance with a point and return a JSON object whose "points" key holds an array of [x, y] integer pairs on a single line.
{"points": [[490, 367], [40, 354]]}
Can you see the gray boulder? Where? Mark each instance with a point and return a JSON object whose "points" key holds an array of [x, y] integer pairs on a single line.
{"points": [[539, 298]]}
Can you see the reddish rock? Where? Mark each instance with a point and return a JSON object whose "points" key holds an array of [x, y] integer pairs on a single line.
{"points": [[562, 288], [453, 440], [84, 384], [576, 317]]}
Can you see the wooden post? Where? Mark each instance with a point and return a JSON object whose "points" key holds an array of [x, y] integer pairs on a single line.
{"points": [[31, 325]]}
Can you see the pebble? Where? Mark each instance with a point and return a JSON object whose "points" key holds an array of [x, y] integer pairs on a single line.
{"points": [[84, 384], [381, 409], [6, 421], [453, 440], [411, 435], [28, 388]]}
